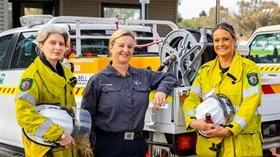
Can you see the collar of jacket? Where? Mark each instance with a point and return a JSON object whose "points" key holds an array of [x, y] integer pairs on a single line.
{"points": [[110, 70], [59, 70], [235, 70], [53, 82]]}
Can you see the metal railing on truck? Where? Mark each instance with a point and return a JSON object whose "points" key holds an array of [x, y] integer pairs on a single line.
{"points": [[32, 20], [117, 21]]}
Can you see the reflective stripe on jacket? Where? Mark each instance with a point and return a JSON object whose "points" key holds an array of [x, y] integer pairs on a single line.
{"points": [[242, 85], [44, 87]]}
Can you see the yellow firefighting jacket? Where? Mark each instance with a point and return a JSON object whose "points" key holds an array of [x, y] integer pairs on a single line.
{"points": [[40, 85], [241, 84]]}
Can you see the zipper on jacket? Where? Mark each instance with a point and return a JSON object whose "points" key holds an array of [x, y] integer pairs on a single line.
{"points": [[65, 91]]}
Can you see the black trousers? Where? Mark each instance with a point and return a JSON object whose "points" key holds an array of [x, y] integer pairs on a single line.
{"points": [[109, 146]]}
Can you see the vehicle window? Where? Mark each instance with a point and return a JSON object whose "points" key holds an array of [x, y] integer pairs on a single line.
{"points": [[92, 47], [4, 44], [25, 51], [144, 50], [121, 10], [96, 47], [264, 48]]}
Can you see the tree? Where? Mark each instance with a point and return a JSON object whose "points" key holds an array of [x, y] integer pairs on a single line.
{"points": [[251, 15], [202, 13], [257, 13], [193, 23], [179, 18]]}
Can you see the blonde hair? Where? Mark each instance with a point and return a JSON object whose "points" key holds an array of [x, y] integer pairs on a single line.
{"points": [[119, 33], [47, 30]]}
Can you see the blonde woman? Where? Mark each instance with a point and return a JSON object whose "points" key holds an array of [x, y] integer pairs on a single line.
{"points": [[118, 98]]}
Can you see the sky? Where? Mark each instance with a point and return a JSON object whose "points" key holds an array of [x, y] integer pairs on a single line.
{"points": [[191, 8]]}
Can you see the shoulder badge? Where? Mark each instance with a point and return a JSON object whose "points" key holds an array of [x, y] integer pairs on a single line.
{"points": [[253, 79], [26, 84]]}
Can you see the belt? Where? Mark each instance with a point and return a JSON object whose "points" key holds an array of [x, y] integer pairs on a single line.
{"points": [[128, 135]]}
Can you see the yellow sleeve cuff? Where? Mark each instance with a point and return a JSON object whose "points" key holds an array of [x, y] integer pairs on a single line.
{"points": [[188, 122], [234, 127], [53, 133]]}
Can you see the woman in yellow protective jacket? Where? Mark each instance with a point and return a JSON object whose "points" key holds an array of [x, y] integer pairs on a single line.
{"points": [[46, 81], [238, 79]]}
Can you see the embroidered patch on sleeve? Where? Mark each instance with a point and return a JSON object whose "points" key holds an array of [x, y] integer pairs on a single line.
{"points": [[26, 84], [253, 79]]}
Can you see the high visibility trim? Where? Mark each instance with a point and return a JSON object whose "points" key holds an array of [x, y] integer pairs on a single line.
{"points": [[79, 91], [251, 91], [269, 68], [43, 128], [196, 89], [8, 90], [240, 121], [26, 96], [258, 109], [271, 89], [190, 112]]}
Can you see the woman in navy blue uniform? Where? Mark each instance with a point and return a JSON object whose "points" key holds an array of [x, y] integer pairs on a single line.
{"points": [[118, 97]]}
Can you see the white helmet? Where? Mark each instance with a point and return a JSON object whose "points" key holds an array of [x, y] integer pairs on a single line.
{"points": [[74, 121], [216, 107]]}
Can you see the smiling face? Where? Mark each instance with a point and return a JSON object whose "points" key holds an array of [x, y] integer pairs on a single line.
{"points": [[224, 43], [53, 48], [122, 49]]}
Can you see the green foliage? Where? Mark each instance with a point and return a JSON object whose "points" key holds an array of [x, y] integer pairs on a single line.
{"points": [[251, 15], [202, 13], [194, 23], [261, 52]]}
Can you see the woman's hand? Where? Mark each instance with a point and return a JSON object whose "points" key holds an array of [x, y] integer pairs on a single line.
{"points": [[199, 125], [216, 131], [159, 99], [66, 140]]}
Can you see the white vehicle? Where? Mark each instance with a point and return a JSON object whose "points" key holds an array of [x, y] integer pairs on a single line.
{"points": [[262, 47], [89, 54], [181, 52]]}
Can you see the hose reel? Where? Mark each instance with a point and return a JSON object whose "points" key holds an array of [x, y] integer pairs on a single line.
{"points": [[184, 51]]}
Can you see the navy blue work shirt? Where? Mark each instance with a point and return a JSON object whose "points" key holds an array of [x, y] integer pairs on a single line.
{"points": [[119, 103]]}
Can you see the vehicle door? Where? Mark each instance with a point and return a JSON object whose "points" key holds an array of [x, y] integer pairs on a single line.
{"points": [[17, 53], [264, 50]]}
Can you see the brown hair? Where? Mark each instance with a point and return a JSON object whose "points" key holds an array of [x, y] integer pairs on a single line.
{"points": [[227, 27]]}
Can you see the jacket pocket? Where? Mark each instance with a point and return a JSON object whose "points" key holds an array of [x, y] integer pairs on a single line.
{"points": [[141, 93], [108, 89], [109, 96]]}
